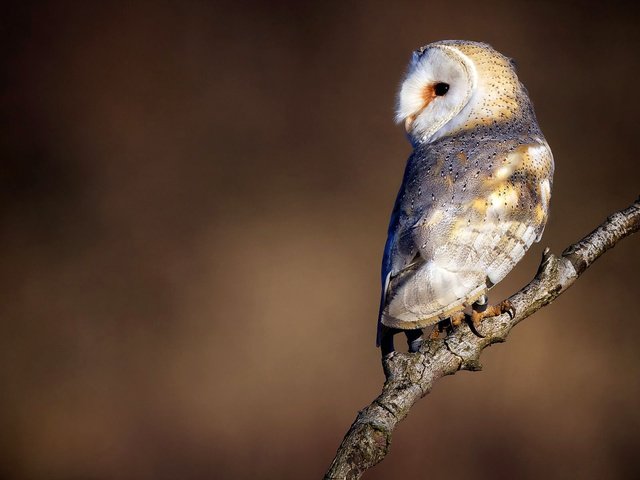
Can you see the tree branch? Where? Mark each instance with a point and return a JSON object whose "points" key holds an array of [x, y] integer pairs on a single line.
{"points": [[410, 377]]}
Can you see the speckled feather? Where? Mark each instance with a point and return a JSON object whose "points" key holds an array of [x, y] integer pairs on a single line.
{"points": [[474, 197]]}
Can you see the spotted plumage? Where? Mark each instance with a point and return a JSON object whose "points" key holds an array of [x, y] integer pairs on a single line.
{"points": [[476, 189]]}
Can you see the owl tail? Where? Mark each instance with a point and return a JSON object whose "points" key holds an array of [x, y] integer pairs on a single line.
{"points": [[383, 302]]}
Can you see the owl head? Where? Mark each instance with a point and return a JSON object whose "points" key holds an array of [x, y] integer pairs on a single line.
{"points": [[454, 85]]}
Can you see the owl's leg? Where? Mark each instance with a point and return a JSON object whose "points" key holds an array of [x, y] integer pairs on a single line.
{"points": [[447, 325], [481, 310], [414, 339], [386, 340]]}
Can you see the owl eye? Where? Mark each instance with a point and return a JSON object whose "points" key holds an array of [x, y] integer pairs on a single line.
{"points": [[441, 89]]}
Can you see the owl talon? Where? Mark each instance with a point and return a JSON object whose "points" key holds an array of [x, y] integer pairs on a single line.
{"points": [[509, 308], [480, 311], [472, 322]]}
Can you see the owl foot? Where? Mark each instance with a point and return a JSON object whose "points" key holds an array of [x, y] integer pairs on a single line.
{"points": [[454, 321], [447, 325], [414, 340], [481, 310]]}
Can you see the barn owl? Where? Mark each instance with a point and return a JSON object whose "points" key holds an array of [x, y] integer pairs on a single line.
{"points": [[475, 193]]}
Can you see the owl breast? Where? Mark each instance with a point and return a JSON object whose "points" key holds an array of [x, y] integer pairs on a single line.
{"points": [[469, 208]]}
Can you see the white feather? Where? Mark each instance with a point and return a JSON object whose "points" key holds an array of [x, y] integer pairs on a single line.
{"points": [[439, 64]]}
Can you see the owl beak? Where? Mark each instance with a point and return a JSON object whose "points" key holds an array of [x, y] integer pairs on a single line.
{"points": [[409, 122], [428, 94]]}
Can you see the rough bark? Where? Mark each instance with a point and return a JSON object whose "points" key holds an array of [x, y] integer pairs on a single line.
{"points": [[410, 377]]}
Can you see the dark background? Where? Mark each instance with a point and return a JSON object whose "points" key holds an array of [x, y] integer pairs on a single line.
{"points": [[194, 201]]}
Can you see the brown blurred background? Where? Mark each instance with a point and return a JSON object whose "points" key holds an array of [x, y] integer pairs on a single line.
{"points": [[194, 203]]}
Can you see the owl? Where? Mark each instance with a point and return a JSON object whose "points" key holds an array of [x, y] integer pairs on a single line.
{"points": [[475, 193]]}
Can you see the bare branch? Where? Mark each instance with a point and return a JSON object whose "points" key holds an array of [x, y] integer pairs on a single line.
{"points": [[410, 377]]}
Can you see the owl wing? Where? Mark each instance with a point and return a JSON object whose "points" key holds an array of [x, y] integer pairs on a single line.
{"points": [[396, 260], [448, 254]]}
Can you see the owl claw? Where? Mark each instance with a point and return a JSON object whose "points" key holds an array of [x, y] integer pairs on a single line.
{"points": [[471, 322], [480, 312], [507, 307]]}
